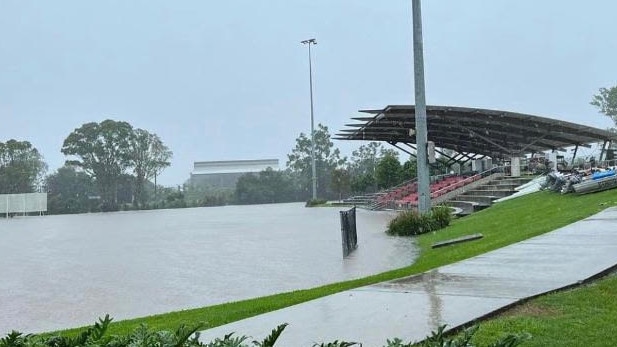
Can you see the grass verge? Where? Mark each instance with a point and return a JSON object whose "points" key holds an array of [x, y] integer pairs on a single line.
{"points": [[503, 224], [584, 316]]}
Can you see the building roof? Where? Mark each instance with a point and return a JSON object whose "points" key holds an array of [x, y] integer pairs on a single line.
{"points": [[233, 166], [494, 133]]}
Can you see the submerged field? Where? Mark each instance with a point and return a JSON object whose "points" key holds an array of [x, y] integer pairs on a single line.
{"points": [[65, 271]]}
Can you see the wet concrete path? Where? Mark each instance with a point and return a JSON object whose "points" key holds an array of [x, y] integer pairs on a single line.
{"points": [[410, 308]]}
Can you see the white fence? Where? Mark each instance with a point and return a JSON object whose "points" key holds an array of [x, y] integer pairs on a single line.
{"points": [[23, 203]]}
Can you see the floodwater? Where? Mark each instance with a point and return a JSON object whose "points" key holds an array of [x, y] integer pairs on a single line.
{"points": [[65, 271]]}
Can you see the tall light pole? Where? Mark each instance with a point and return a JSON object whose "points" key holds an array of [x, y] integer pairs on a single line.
{"points": [[424, 193], [313, 169]]}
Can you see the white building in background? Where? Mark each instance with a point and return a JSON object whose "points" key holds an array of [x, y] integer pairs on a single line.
{"points": [[225, 174]]}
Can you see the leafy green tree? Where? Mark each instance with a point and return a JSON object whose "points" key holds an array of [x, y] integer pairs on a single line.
{"points": [[148, 157], [327, 158], [410, 169], [606, 102], [104, 152], [21, 167], [388, 172], [199, 194], [363, 183], [217, 198], [363, 166], [171, 197], [388, 152], [125, 191], [70, 191], [341, 182], [109, 150], [364, 159], [269, 186]]}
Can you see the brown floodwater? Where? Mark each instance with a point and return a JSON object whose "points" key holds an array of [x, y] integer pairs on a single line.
{"points": [[66, 271]]}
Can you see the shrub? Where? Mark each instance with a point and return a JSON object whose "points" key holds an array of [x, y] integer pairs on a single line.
{"points": [[439, 339], [315, 202], [441, 215], [96, 336], [412, 223]]}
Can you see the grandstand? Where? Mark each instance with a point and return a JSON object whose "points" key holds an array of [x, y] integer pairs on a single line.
{"points": [[494, 144]]}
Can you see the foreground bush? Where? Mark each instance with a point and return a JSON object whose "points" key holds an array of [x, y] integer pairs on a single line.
{"points": [[439, 339], [96, 336], [412, 223]]}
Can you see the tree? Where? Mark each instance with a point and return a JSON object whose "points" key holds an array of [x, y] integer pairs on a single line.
{"points": [[363, 166], [606, 102], [410, 169], [21, 167], [363, 183], [148, 157], [327, 158], [364, 159], [341, 182], [104, 152], [269, 186], [388, 172], [70, 191]]}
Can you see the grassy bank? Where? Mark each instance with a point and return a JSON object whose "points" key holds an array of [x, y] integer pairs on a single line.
{"points": [[585, 316], [503, 224]]}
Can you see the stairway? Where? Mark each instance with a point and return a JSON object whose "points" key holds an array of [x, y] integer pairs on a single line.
{"points": [[483, 196]]}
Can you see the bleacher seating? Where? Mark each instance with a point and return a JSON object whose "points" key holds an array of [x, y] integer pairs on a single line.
{"points": [[409, 194]]}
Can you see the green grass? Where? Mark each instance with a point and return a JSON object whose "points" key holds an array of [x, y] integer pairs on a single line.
{"points": [[585, 316], [503, 224]]}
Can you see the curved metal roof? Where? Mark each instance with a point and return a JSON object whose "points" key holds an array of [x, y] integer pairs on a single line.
{"points": [[494, 133]]}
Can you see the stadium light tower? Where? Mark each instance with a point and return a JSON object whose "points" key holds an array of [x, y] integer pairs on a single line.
{"points": [[424, 193], [310, 42]]}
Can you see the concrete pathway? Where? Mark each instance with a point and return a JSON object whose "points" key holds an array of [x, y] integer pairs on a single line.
{"points": [[410, 308]]}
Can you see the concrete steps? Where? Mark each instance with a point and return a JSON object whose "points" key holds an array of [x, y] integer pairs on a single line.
{"points": [[486, 200], [500, 193], [484, 195]]}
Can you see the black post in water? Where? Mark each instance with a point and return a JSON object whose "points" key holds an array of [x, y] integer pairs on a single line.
{"points": [[349, 235]]}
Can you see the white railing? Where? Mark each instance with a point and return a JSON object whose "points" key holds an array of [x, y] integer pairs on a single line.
{"points": [[23, 203]]}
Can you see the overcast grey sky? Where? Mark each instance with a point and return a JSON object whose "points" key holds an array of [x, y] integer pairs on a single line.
{"points": [[222, 80]]}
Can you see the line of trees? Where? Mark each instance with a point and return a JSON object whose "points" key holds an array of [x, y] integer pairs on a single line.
{"points": [[111, 163]]}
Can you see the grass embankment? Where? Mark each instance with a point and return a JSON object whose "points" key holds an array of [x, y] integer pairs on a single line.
{"points": [[503, 224], [585, 316]]}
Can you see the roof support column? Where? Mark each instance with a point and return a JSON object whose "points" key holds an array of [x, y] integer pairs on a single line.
{"points": [[424, 196], [602, 151], [574, 155]]}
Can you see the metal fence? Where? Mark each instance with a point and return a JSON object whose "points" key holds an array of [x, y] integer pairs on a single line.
{"points": [[348, 231], [23, 203]]}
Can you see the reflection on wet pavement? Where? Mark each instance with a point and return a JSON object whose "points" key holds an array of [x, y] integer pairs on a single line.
{"points": [[65, 271]]}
